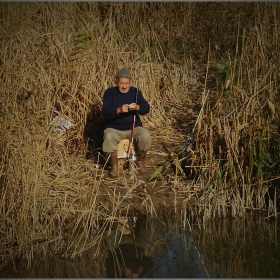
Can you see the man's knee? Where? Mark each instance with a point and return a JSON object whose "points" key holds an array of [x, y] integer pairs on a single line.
{"points": [[144, 135], [144, 140], [110, 135]]}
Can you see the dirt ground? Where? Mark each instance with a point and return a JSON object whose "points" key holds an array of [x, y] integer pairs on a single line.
{"points": [[139, 194]]}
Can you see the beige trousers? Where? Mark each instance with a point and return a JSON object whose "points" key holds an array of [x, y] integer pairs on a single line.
{"points": [[112, 137]]}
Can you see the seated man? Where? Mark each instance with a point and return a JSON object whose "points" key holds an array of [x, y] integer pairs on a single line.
{"points": [[120, 105], [129, 249]]}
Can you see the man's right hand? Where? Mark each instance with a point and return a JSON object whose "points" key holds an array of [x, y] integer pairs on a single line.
{"points": [[123, 109]]}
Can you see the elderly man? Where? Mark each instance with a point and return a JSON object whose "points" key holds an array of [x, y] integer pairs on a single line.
{"points": [[120, 104]]}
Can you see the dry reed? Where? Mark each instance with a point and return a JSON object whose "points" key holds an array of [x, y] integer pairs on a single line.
{"points": [[58, 58]]}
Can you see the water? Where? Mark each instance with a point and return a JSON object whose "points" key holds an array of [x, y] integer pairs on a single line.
{"points": [[230, 248], [241, 248], [180, 260]]}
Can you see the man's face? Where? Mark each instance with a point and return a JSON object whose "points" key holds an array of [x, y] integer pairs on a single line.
{"points": [[123, 85], [130, 274]]}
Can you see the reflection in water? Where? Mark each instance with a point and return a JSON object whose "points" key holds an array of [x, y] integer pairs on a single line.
{"points": [[161, 248], [241, 248], [158, 249], [53, 266], [129, 249], [177, 257]]}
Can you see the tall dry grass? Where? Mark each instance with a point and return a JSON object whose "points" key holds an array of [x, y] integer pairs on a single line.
{"points": [[58, 58], [238, 139]]}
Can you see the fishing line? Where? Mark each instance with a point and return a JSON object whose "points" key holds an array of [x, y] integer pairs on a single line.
{"points": [[131, 155], [191, 238]]}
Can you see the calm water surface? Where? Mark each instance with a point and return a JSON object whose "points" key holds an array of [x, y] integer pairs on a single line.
{"points": [[231, 248]]}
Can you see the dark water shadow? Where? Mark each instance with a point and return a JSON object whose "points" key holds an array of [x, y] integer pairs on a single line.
{"points": [[169, 246], [136, 246], [245, 247]]}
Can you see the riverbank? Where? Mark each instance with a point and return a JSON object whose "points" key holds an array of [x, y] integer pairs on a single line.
{"points": [[221, 248], [57, 61]]}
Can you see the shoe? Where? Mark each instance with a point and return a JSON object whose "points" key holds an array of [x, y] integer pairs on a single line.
{"points": [[114, 165], [140, 161]]}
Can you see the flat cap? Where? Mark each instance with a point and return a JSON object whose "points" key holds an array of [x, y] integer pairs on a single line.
{"points": [[123, 73]]}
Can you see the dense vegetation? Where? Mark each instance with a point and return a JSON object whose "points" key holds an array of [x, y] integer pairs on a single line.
{"points": [[58, 58]]}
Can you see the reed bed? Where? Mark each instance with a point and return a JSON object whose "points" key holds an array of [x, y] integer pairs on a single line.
{"points": [[237, 247], [240, 130], [57, 60]]}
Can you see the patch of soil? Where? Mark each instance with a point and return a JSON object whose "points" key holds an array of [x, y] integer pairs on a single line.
{"points": [[137, 190]]}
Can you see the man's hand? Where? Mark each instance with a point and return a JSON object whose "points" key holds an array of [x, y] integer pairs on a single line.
{"points": [[123, 109], [134, 106]]}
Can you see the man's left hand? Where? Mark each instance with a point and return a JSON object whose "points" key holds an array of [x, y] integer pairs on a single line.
{"points": [[134, 107]]}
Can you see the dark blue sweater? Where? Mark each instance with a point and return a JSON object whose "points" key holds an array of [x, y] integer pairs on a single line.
{"points": [[113, 99]]}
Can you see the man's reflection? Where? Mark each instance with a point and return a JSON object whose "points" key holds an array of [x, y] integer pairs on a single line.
{"points": [[129, 249]]}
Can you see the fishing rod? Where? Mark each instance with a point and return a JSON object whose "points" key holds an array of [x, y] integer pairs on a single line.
{"points": [[189, 140], [185, 148], [131, 155], [133, 235]]}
